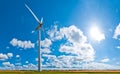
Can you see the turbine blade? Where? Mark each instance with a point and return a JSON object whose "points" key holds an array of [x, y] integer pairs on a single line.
{"points": [[41, 20], [32, 13]]}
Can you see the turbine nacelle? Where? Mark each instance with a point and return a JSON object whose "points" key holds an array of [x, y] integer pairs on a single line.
{"points": [[40, 24]]}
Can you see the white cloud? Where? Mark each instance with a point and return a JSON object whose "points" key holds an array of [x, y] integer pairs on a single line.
{"points": [[105, 60], [118, 63], [7, 64], [55, 34], [74, 63], [73, 34], [118, 47], [66, 64], [3, 57], [77, 46], [85, 52], [78, 53], [10, 55], [49, 56], [76, 42], [36, 59], [99, 66], [62, 61], [46, 43], [58, 65], [22, 44], [117, 32], [32, 31], [29, 66], [45, 50], [7, 47], [17, 56], [26, 62]]}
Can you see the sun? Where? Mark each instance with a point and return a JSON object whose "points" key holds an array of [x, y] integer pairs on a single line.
{"points": [[96, 34]]}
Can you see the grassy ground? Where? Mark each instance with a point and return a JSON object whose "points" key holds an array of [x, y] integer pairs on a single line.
{"points": [[60, 72]]}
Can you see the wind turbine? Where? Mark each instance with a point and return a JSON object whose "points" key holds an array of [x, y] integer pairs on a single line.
{"points": [[39, 36]]}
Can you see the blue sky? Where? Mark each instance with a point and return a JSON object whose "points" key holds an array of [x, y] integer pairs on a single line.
{"points": [[78, 34]]}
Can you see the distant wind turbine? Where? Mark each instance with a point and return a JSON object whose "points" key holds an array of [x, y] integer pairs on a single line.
{"points": [[39, 36]]}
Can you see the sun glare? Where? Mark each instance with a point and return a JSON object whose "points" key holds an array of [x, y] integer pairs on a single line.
{"points": [[96, 34]]}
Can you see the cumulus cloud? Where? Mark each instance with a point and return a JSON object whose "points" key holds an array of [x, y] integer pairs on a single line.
{"points": [[62, 61], [45, 50], [118, 47], [78, 53], [105, 60], [76, 42], [32, 31], [99, 66], [54, 34], [3, 56], [117, 32], [17, 56], [46, 43], [22, 44], [7, 47], [7, 64], [67, 62], [85, 52], [29, 66], [26, 62], [73, 34], [36, 59], [10, 55]]}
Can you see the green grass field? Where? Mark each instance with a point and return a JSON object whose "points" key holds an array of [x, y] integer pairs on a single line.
{"points": [[60, 72]]}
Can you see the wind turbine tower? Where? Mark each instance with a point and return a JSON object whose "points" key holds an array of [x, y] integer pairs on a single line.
{"points": [[39, 37]]}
